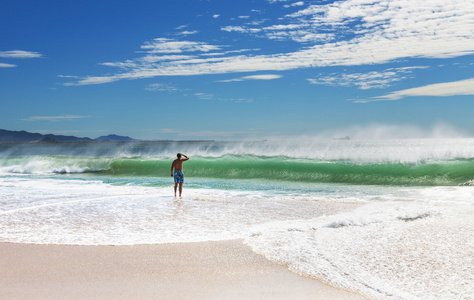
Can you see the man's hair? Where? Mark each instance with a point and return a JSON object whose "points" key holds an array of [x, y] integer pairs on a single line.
{"points": [[178, 155]]}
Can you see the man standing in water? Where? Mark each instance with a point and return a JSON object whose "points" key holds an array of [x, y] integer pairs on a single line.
{"points": [[177, 165]]}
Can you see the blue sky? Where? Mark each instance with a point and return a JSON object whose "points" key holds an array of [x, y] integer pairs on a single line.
{"points": [[191, 69]]}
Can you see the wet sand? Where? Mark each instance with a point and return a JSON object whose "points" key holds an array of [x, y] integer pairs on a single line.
{"points": [[207, 270]]}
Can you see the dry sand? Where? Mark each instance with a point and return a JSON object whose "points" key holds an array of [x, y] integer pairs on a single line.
{"points": [[209, 270]]}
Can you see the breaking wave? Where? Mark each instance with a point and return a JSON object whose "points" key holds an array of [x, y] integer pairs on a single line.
{"points": [[387, 162], [433, 173]]}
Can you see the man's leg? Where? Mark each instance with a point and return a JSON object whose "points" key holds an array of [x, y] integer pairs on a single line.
{"points": [[180, 188], [175, 188]]}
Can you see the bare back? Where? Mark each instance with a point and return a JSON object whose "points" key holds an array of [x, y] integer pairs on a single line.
{"points": [[177, 165]]}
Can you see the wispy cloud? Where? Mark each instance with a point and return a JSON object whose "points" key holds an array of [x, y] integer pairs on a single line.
{"points": [[182, 27], [204, 96], [188, 32], [165, 45], [2, 65], [212, 97], [67, 76], [254, 77], [161, 87], [94, 80], [364, 81], [54, 118], [299, 3], [19, 54], [343, 33], [446, 89]]}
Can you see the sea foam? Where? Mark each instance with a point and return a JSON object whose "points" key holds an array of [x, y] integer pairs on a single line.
{"points": [[382, 250], [43, 210]]}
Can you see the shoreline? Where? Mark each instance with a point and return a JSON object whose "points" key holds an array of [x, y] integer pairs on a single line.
{"points": [[202, 270]]}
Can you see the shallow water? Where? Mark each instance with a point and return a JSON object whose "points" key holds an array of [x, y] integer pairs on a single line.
{"points": [[389, 219]]}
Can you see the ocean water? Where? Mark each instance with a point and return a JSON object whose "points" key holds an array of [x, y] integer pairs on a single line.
{"points": [[389, 219]]}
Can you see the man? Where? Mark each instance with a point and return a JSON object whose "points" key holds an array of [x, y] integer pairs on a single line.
{"points": [[177, 165]]}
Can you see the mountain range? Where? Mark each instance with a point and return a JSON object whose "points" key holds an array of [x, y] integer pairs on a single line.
{"points": [[8, 136]]}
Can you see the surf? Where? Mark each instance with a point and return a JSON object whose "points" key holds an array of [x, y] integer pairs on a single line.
{"points": [[234, 167], [367, 162], [356, 214], [436, 173]]}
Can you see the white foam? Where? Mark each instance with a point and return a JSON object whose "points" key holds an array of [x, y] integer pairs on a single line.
{"points": [[51, 165], [59, 211], [387, 250], [377, 213], [405, 243]]}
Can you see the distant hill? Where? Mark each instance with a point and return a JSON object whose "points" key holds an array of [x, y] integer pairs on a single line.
{"points": [[114, 138], [8, 136], [27, 137]]}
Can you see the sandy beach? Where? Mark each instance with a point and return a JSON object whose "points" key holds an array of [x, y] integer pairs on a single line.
{"points": [[209, 270]]}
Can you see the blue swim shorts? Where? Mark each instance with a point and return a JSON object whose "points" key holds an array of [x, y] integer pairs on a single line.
{"points": [[178, 176]]}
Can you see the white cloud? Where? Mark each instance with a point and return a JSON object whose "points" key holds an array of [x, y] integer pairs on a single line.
{"points": [[2, 65], [187, 32], [262, 77], [158, 58], [368, 80], [343, 33], [161, 87], [206, 96], [254, 77], [285, 27], [181, 27], [299, 3], [456, 88], [429, 21], [216, 16], [123, 65], [228, 52], [54, 118], [164, 45], [67, 76], [91, 80], [19, 54], [241, 29]]}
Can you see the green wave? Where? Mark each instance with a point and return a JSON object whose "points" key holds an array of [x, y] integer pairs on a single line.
{"points": [[438, 173], [431, 173]]}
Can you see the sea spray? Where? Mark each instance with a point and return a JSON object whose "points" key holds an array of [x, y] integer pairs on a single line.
{"points": [[354, 151]]}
